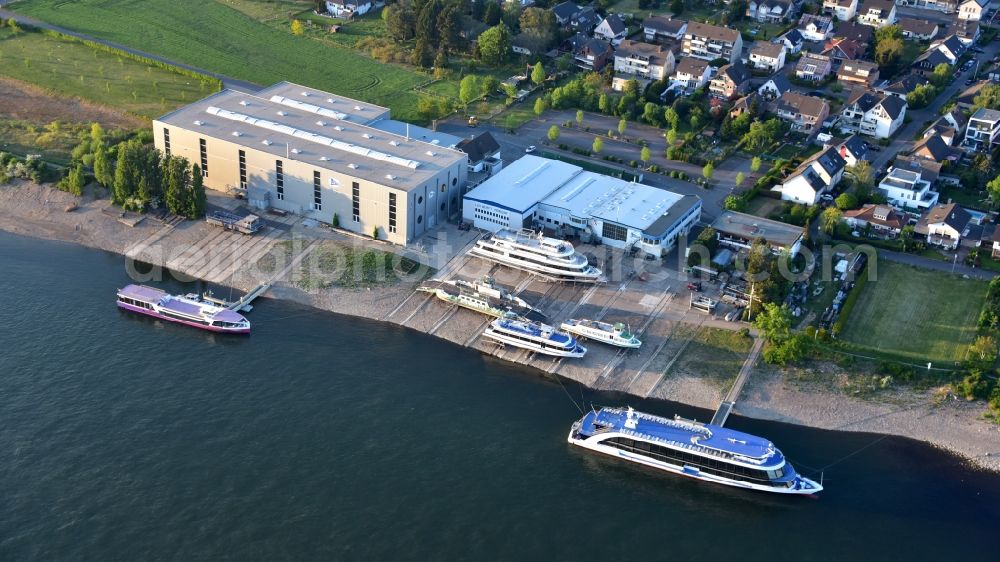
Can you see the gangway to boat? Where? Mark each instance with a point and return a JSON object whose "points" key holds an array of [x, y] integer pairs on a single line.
{"points": [[244, 302], [722, 414]]}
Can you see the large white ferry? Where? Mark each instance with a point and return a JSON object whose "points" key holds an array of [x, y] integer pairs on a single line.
{"points": [[614, 334], [530, 251], [183, 310], [537, 337], [701, 451]]}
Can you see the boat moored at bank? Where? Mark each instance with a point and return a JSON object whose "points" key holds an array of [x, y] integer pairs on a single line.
{"points": [[696, 450], [534, 336], [613, 334], [531, 251], [186, 310]]}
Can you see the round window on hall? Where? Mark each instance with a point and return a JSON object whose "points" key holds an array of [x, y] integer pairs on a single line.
{"points": [[420, 219], [454, 181], [420, 200]]}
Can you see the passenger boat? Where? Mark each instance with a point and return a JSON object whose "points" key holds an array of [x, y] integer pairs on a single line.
{"points": [[534, 336], [614, 334], [488, 288], [697, 450], [473, 301], [527, 250], [182, 309]]}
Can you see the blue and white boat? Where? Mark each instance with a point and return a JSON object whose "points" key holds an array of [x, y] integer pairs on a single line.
{"points": [[697, 450], [534, 336]]}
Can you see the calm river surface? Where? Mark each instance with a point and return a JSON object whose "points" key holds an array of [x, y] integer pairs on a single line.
{"points": [[322, 437]]}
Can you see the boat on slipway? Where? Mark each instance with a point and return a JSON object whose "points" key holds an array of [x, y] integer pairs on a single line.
{"points": [[614, 334], [534, 336], [697, 450], [181, 309], [527, 250]]}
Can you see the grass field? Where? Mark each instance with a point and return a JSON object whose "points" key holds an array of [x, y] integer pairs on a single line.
{"points": [[916, 313], [714, 354], [74, 69], [216, 37]]}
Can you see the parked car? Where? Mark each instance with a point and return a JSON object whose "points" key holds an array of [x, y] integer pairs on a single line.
{"points": [[696, 287], [530, 149], [970, 81]]}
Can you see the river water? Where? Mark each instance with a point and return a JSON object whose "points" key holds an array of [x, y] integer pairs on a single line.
{"points": [[323, 437]]}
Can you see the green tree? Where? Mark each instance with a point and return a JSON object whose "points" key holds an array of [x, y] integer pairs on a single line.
{"points": [[127, 173], [75, 180], [579, 117], [887, 52], [708, 171], [830, 219], [539, 106], [644, 155], [96, 133], [488, 85], [177, 185], [103, 171], [846, 201], [993, 189], [740, 178], [468, 90], [598, 145], [755, 164], [297, 28], [427, 22], [602, 103], [494, 44], [422, 55], [400, 20], [492, 14], [621, 127], [862, 176], [553, 133], [450, 29], [775, 324], [672, 118], [197, 201], [538, 74], [941, 76], [677, 7], [906, 236], [734, 203]]}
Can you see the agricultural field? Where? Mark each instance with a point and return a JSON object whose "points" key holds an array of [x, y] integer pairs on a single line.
{"points": [[246, 41], [918, 314], [70, 68]]}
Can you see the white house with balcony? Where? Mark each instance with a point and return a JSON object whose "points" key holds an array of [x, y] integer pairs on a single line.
{"points": [[642, 62], [845, 10], [907, 189], [983, 131], [348, 8], [710, 42], [872, 114]]}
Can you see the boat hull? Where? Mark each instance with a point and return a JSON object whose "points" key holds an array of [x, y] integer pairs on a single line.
{"points": [[577, 351], [810, 487], [157, 315]]}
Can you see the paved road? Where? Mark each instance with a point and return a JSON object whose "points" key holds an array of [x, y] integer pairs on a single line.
{"points": [[929, 263], [227, 81]]}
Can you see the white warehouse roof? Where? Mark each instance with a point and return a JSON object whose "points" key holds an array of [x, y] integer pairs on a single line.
{"points": [[523, 183]]}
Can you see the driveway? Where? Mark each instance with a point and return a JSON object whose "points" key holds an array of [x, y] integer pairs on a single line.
{"points": [[930, 263], [227, 82]]}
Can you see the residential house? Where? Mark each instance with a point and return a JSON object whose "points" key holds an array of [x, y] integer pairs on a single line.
{"points": [[906, 189], [872, 114], [949, 126], [612, 29], [844, 10], [982, 133], [853, 149], [732, 80], [903, 86], [593, 54], [346, 9], [920, 30], [928, 169], [585, 20], [815, 28], [951, 46], [967, 31], [814, 177], [884, 220], [927, 61], [860, 72], [843, 49], [769, 57], [935, 149], [770, 11], [663, 27], [528, 44], [792, 40], [564, 12], [813, 67], [877, 13], [972, 9], [944, 225], [862, 34], [774, 87], [967, 98], [712, 42], [691, 73], [743, 105], [946, 6], [484, 153], [805, 113], [644, 62], [740, 230]]}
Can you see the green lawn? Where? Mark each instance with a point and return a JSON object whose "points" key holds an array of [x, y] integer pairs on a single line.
{"points": [[228, 40], [918, 314], [714, 354], [74, 69]]}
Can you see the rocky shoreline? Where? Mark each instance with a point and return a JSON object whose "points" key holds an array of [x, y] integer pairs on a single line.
{"points": [[953, 425]]}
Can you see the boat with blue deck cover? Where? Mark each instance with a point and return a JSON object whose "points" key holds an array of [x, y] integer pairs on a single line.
{"points": [[534, 336], [188, 310], [697, 450]]}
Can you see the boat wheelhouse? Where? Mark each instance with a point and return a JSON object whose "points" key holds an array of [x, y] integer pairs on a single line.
{"points": [[697, 450], [534, 336], [527, 250], [181, 309], [614, 334]]}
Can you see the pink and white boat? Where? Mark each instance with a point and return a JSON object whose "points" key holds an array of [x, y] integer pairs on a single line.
{"points": [[184, 310]]}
